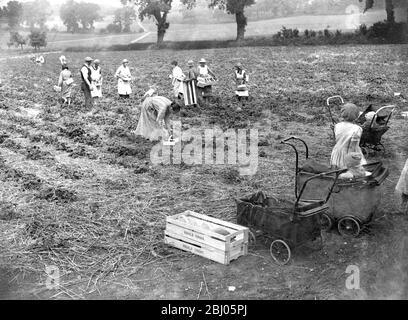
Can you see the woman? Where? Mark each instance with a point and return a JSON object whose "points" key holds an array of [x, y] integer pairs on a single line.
{"points": [[205, 79], [402, 188], [348, 137], [241, 79], [124, 77], [96, 79], [155, 116], [66, 83], [190, 88], [177, 78]]}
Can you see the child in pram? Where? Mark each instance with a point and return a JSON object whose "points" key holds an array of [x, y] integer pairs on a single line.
{"points": [[347, 136]]}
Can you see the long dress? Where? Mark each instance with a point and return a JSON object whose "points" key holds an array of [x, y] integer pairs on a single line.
{"points": [[241, 78], [154, 112], [402, 185], [204, 80], [96, 82], [124, 76], [177, 81], [348, 137], [66, 83]]}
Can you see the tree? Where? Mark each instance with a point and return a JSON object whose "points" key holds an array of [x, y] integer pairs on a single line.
{"points": [[124, 17], [17, 39], [74, 14], [38, 38], [14, 13], [389, 7], [69, 15], [156, 9], [235, 7], [35, 13], [88, 13]]}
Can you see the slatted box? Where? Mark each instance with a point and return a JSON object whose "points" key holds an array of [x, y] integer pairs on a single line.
{"points": [[205, 236]]}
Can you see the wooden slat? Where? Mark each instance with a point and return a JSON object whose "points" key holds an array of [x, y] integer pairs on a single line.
{"points": [[204, 238], [205, 251]]}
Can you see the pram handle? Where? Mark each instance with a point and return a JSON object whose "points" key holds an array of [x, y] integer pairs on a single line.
{"points": [[336, 172], [328, 106], [383, 108], [332, 97], [296, 154]]}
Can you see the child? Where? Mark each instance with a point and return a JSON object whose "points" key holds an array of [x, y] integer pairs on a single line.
{"points": [[402, 188], [354, 167], [368, 119]]}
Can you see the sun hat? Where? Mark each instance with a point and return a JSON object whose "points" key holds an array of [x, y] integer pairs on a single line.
{"points": [[202, 60], [88, 59], [238, 65], [190, 63], [125, 61], [97, 61]]}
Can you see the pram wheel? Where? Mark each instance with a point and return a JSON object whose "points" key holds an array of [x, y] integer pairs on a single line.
{"points": [[280, 252], [348, 227], [326, 222]]}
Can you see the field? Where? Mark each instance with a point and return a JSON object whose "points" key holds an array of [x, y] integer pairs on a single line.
{"points": [[78, 190], [196, 32]]}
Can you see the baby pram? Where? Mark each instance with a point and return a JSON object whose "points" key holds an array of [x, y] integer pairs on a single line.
{"points": [[372, 131], [288, 224], [353, 201]]}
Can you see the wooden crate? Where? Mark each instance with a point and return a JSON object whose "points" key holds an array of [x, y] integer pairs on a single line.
{"points": [[205, 236]]}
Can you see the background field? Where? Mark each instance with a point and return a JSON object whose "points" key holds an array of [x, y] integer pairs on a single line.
{"points": [[195, 32], [78, 190]]}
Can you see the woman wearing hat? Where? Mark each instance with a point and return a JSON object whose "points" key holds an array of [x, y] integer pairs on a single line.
{"points": [[205, 79], [348, 137], [241, 79], [96, 79], [191, 91], [154, 121], [124, 78]]}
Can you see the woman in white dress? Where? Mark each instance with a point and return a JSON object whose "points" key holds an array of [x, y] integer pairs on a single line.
{"points": [[205, 79], [241, 79], [177, 78], [66, 83], [96, 79], [124, 79], [348, 137]]}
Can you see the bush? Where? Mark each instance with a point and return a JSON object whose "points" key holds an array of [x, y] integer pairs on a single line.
{"points": [[114, 28], [387, 32], [38, 38], [16, 39], [362, 29], [327, 33]]}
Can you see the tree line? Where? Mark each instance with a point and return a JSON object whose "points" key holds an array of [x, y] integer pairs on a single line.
{"points": [[158, 10], [81, 16]]}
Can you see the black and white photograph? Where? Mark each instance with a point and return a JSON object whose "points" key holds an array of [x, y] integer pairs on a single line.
{"points": [[207, 151]]}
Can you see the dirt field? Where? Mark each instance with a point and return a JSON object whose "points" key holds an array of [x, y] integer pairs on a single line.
{"points": [[78, 190]]}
